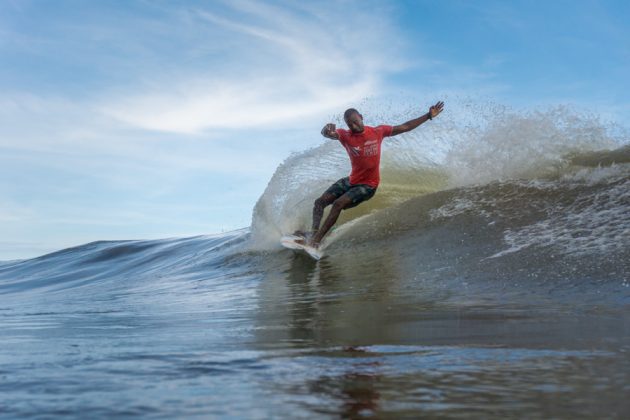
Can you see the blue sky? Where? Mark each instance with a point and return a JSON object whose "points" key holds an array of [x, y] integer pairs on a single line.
{"points": [[151, 119]]}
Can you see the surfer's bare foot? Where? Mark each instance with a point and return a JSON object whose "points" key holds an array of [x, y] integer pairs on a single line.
{"points": [[314, 240], [300, 233]]}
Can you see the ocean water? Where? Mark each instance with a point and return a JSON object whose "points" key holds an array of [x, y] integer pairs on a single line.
{"points": [[488, 278]]}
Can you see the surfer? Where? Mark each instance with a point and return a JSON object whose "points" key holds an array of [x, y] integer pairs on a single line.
{"points": [[363, 144]]}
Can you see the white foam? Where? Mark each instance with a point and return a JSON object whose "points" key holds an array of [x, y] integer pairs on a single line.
{"points": [[593, 224], [455, 207]]}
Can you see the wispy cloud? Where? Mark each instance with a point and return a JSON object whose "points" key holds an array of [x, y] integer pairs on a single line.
{"points": [[283, 64]]}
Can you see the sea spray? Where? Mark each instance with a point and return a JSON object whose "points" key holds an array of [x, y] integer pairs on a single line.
{"points": [[469, 144], [528, 145]]}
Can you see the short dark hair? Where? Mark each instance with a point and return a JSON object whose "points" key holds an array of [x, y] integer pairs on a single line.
{"points": [[349, 112]]}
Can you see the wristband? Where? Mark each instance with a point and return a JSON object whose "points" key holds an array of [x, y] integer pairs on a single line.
{"points": [[429, 115]]}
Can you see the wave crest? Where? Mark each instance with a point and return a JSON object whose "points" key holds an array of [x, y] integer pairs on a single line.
{"points": [[469, 145]]}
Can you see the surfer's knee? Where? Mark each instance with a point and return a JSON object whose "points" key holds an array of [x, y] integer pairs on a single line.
{"points": [[339, 204], [322, 202]]}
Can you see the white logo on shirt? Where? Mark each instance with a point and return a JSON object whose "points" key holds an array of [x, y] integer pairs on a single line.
{"points": [[371, 148]]}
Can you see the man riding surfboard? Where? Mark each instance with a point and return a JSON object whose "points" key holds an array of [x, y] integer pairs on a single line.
{"points": [[363, 144]]}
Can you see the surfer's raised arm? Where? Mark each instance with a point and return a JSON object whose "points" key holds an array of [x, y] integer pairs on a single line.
{"points": [[434, 111], [330, 131]]}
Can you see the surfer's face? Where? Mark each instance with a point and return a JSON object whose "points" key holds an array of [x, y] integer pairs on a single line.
{"points": [[355, 122]]}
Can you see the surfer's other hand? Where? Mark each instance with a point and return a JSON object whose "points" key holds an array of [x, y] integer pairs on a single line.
{"points": [[435, 110], [329, 130]]}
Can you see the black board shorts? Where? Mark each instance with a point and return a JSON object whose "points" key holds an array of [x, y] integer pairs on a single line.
{"points": [[358, 193]]}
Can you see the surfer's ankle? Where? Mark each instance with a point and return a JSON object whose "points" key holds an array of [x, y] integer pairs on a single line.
{"points": [[307, 235]]}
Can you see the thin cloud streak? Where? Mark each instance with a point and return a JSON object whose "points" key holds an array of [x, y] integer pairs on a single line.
{"points": [[304, 72]]}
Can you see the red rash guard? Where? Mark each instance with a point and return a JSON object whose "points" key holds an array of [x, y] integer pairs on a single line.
{"points": [[364, 150]]}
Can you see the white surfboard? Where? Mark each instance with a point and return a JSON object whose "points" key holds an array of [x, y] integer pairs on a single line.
{"points": [[288, 241]]}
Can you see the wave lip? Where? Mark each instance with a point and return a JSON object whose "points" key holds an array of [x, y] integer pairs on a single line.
{"points": [[108, 264]]}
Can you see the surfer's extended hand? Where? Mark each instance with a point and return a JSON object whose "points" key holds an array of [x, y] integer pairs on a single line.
{"points": [[330, 131], [435, 110]]}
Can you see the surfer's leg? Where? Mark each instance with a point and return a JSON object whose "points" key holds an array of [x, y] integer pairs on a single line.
{"points": [[339, 204], [318, 208], [355, 195], [335, 191]]}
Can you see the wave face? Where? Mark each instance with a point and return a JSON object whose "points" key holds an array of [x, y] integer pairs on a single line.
{"points": [[554, 180], [495, 258]]}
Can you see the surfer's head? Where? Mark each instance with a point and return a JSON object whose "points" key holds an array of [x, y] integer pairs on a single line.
{"points": [[353, 120]]}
